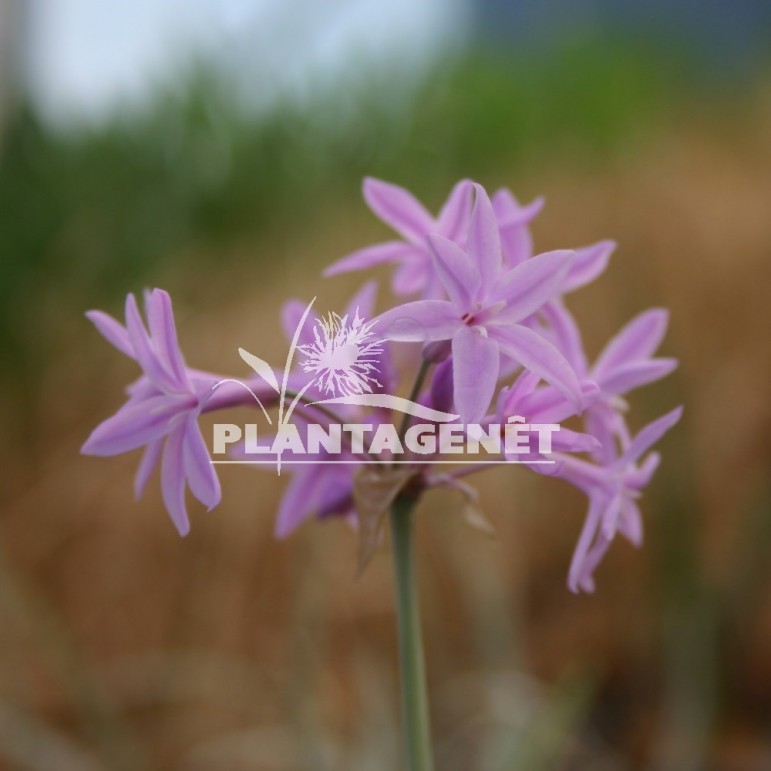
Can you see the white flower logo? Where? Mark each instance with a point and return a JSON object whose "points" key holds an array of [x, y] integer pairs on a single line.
{"points": [[344, 357]]}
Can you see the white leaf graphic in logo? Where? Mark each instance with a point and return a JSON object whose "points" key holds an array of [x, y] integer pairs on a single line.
{"points": [[262, 368]]}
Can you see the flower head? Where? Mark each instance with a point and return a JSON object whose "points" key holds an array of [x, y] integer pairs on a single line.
{"points": [[162, 409], [484, 313]]}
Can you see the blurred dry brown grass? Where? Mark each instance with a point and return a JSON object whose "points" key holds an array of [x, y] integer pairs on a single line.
{"points": [[125, 647]]}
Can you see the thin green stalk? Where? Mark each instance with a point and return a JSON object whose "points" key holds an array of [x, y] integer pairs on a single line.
{"points": [[420, 378], [416, 727]]}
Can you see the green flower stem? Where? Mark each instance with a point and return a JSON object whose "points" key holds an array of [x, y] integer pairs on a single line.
{"points": [[416, 727]]}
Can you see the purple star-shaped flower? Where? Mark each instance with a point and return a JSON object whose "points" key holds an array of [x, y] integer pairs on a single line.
{"points": [[613, 489], [162, 410], [483, 315]]}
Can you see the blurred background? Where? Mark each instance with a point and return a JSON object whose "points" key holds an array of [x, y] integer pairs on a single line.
{"points": [[216, 148]]}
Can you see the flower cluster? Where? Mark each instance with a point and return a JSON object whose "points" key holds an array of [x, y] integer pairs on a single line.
{"points": [[494, 340]]}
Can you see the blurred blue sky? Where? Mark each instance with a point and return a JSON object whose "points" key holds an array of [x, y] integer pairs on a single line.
{"points": [[82, 58]]}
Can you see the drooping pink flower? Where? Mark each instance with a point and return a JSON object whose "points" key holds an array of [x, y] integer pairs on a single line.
{"points": [[162, 410], [613, 489], [484, 313]]}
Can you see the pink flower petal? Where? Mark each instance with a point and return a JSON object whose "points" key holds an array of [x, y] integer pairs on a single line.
{"points": [[630, 524], [300, 499], [146, 356], [173, 479], [484, 243], [456, 271], [476, 362], [369, 257], [160, 318], [625, 377], [639, 339], [398, 208], [199, 471], [579, 566], [590, 262], [565, 334], [135, 424], [421, 321], [541, 357], [363, 302], [529, 285], [648, 436], [453, 220], [112, 331], [146, 466]]}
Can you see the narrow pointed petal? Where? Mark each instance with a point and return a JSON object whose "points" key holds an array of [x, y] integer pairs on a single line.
{"points": [[541, 357], [362, 259], [453, 220], [511, 397], [336, 494], [510, 212], [292, 312], [160, 318], [566, 335], [630, 524], [398, 208], [173, 480], [135, 424], [649, 435], [548, 405], [611, 517], [442, 387], [418, 322], [590, 263], [146, 466], [595, 556], [199, 471], [578, 572], [455, 270], [583, 475], [112, 331], [476, 362], [640, 477], [516, 245], [528, 286], [415, 276], [639, 339], [146, 356], [625, 377], [566, 440], [299, 500], [513, 224], [599, 423], [363, 302], [484, 242]]}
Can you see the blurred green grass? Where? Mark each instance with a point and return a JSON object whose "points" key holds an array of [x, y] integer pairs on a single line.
{"points": [[88, 214]]}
